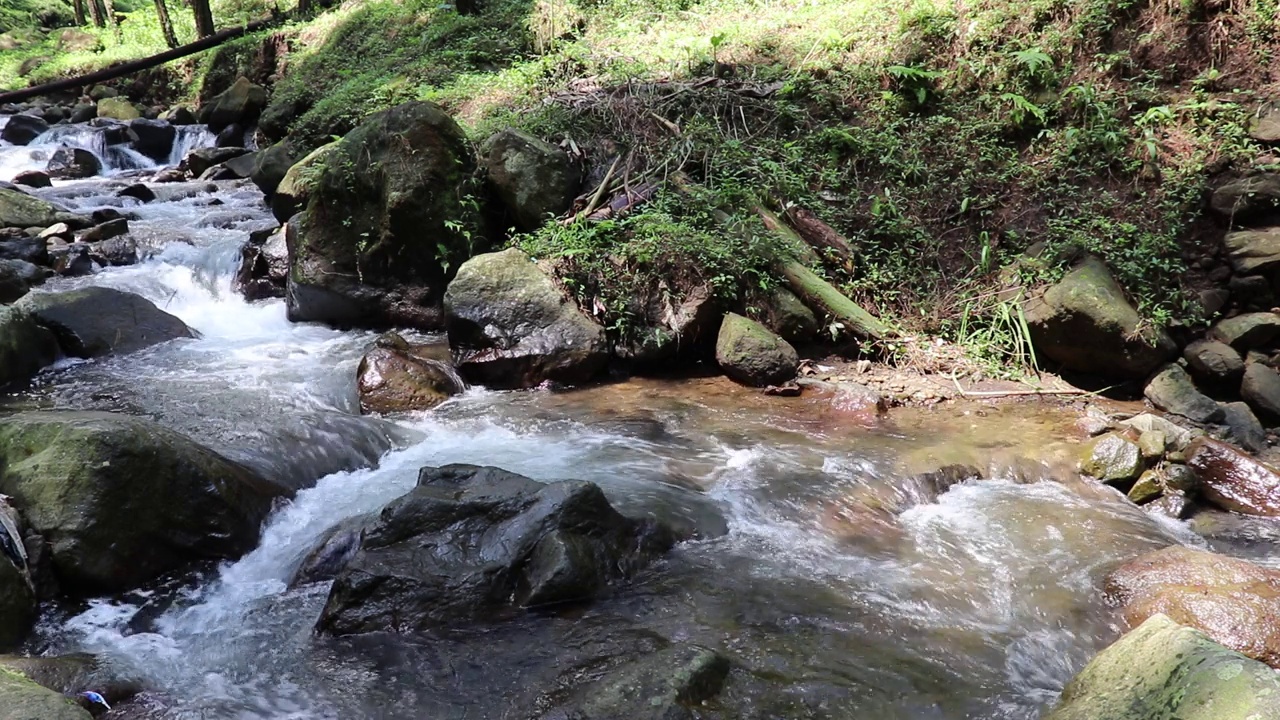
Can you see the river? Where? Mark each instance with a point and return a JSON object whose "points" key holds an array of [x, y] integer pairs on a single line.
{"points": [[980, 603]]}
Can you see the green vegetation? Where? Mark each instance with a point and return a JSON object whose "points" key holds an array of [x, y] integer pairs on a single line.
{"points": [[943, 139]]}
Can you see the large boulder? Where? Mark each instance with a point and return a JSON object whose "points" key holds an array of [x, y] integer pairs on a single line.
{"points": [[20, 210], [395, 376], [25, 346], [1173, 391], [1233, 601], [1234, 481], [473, 544], [22, 699], [121, 499], [12, 283], [1247, 331], [241, 103], [1164, 671], [95, 321], [22, 129], [294, 189], [71, 163], [118, 108], [74, 673], [153, 138], [1214, 362], [1084, 323], [271, 165], [510, 326], [388, 222], [33, 179], [532, 177], [1253, 251], [752, 355], [786, 315], [264, 266]]}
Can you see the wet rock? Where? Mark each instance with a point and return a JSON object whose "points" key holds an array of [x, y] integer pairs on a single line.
{"points": [[1146, 488], [1253, 251], [511, 327], [1084, 323], [200, 160], [1152, 444], [512, 542], [1247, 199], [18, 602], [1172, 390], [1248, 331], [1234, 602], [1214, 362], [534, 179], [169, 176], [240, 103], [1243, 427], [1234, 481], [788, 317], [29, 273], [73, 163], [231, 136], [72, 674], [336, 547], [105, 231], [666, 685], [118, 108], [25, 346], [122, 500], [71, 260], [752, 355], [294, 190], [178, 115], [139, 192], [240, 167], [29, 250], [395, 376], [20, 210], [116, 252], [153, 138], [1113, 459], [273, 164], [1261, 389], [22, 129], [1164, 671], [33, 178], [12, 285], [357, 253], [264, 266], [96, 321], [25, 700]]}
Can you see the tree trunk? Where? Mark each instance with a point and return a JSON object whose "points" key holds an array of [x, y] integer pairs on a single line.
{"points": [[109, 10], [98, 13], [304, 8], [204, 17], [819, 294], [78, 6], [166, 25]]}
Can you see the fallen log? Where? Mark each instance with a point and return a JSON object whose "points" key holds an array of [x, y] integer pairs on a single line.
{"points": [[134, 66], [822, 237], [821, 295]]}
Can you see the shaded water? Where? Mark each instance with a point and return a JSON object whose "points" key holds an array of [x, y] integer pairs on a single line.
{"points": [[979, 603]]}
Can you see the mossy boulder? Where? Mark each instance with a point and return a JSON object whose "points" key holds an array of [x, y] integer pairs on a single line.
{"points": [[121, 499], [271, 165], [533, 178], [74, 673], [96, 321], [786, 315], [396, 376], [20, 210], [752, 355], [664, 685], [1112, 458], [1084, 323], [241, 103], [294, 189], [1164, 671], [389, 221], [73, 40], [510, 326], [25, 346], [118, 108], [22, 699]]}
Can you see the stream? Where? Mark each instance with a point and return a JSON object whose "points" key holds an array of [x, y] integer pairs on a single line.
{"points": [[979, 603]]}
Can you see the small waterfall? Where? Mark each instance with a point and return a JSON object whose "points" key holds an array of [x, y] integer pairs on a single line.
{"points": [[189, 137]]}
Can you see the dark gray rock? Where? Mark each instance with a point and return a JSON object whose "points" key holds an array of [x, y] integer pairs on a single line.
{"points": [[12, 284], [22, 129], [1248, 199], [750, 354], [264, 266], [116, 252], [96, 321], [25, 346], [84, 112], [1261, 389], [33, 178], [1214, 362], [73, 163], [473, 544], [199, 161], [106, 231], [240, 103], [1172, 390], [1243, 428], [666, 685], [533, 178], [153, 138], [1248, 331], [139, 192]]}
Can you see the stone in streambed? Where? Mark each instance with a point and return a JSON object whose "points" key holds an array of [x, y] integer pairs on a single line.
{"points": [[22, 699], [1164, 671], [510, 326], [201, 159], [1233, 601], [1234, 481], [12, 284], [1243, 428], [74, 673], [153, 138], [388, 222], [395, 376], [139, 192], [22, 129], [666, 685], [1113, 459], [752, 355], [109, 229], [1146, 488], [1084, 323], [96, 321], [20, 210], [475, 544], [1214, 362], [240, 103], [1260, 388], [121, 500], [73, 163], [25, 346], [33, 178], [264, 266], [18, 601], [1173, 391]]}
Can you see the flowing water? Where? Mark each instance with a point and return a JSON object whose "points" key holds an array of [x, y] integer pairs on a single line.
{"points": [[978, 603]]}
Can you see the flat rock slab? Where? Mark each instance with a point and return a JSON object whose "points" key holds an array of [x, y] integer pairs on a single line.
{"points": [[96, 321]]}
